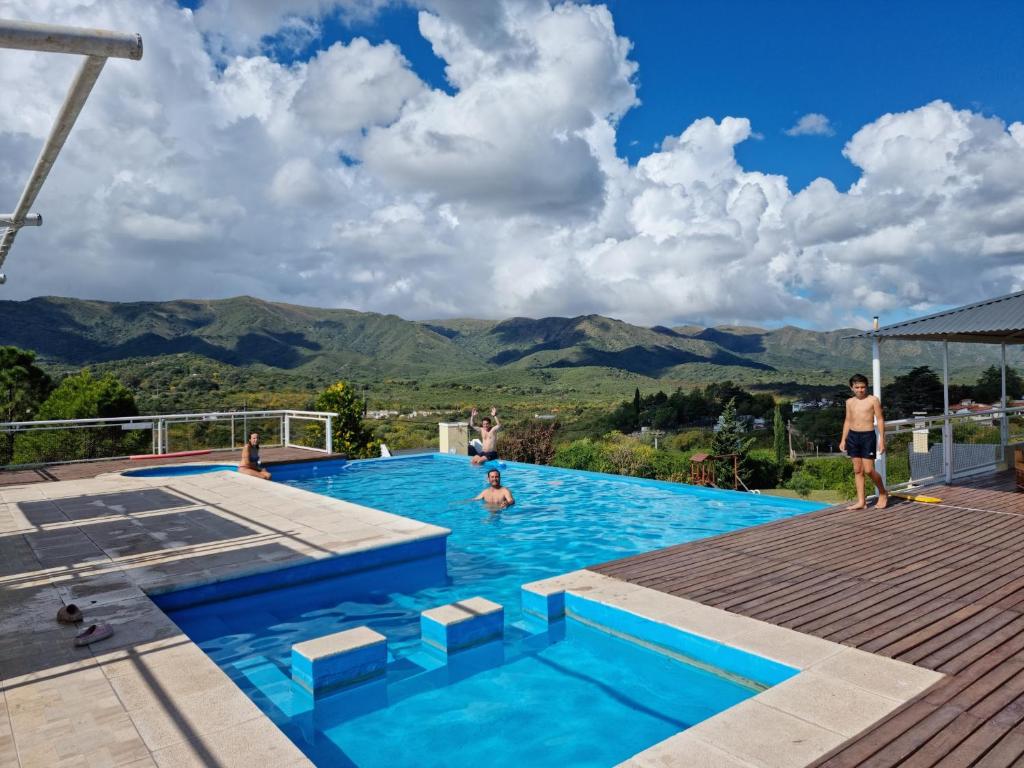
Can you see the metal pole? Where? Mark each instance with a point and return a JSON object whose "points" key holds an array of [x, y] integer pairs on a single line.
{"points": [[52, 38], [232, 430], [330, 435], [876, 388], [1004, 422], [947, 429], [69, 111]]}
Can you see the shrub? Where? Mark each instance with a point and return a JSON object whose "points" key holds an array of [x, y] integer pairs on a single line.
{"points": [[689, 440], [532, 443], [581, 454], [349, 435]]}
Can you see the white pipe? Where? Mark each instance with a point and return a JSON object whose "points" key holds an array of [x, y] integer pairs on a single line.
{"points": [[876, 387], [947, 430], [1004, 423], [69, 111], [30, 220], [31, 36]]}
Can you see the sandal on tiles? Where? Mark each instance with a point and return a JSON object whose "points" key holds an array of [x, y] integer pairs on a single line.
{"points": [[94, 633]]}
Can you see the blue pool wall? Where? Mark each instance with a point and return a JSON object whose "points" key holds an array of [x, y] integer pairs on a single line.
{"points": [[757, 669], [339, 565]]}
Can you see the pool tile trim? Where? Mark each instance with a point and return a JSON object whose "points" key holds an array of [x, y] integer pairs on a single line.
{"points": [[838, 693]]}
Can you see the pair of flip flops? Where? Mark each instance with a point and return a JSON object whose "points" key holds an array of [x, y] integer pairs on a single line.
{"points": [[72, 614]]}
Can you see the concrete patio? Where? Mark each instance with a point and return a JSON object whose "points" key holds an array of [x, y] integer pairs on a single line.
{"points": [[148, 696]]}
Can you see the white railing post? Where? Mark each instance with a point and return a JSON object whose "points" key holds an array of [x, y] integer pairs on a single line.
{"points": [[947, 425], [330, 435], [876, 384], [1004, 421], [287, 435]]}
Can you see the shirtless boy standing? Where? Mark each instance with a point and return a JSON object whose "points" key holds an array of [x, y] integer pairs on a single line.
{"points": [[859, 441], [488, 436]]}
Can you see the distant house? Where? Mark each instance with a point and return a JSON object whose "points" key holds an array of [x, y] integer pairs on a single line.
{"points": [[760, 423]]}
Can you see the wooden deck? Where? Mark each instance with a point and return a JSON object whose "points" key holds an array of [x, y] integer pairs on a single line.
{"points": [[85, 469], [937, 585]]}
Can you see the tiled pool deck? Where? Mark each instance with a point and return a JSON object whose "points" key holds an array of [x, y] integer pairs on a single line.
{"points": [[148, 696]]}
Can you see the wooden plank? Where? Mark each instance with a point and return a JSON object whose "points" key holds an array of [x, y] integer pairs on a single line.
{"points": [[938, 585]]}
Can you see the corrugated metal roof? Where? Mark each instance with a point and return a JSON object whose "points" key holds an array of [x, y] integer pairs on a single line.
{"points": [[994, 321]]}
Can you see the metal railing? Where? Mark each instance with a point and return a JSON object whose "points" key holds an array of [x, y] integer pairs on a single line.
{"points": [[941, 449], [59, 441]]}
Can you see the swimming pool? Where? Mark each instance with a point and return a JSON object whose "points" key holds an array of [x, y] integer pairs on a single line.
{"points": [[540, 697]]}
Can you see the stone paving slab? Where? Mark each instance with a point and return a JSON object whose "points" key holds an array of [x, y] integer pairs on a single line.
{"points": [[148, 696]]}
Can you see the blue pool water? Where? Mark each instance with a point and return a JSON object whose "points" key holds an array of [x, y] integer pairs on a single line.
{"points": [[178, 471], [565, 696]]}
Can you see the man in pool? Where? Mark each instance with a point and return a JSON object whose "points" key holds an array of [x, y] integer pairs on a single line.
{"points": [[488, 436], [250, 463], [496, 495]]}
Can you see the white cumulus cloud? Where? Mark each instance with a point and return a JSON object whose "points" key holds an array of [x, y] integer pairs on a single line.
{"points": [[812, 124], [212, 169]]}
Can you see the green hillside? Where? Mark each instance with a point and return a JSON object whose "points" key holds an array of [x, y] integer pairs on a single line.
{"points": [[191, 353]]}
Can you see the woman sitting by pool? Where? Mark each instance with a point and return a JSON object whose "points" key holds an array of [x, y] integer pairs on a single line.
{"points": [[250, 463]]}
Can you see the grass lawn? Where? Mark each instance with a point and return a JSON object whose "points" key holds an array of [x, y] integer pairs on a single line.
{"points": [[826, 497]]}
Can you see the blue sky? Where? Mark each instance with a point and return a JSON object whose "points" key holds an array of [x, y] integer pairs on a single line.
{"points": [[353, 174], [776, 61]]}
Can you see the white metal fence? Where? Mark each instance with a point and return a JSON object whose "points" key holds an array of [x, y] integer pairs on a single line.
{"points": [[69, 440], [935, 449]]}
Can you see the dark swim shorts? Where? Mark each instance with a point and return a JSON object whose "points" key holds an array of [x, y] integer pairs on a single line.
{"points": [[861, 445], [489, 455]]}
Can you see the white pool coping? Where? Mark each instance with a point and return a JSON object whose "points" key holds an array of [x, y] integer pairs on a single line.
{"points": [[839, 692]]}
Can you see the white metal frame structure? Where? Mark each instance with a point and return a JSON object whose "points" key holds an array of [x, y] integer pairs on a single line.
{"points": [[96, 45], [159, 424]]}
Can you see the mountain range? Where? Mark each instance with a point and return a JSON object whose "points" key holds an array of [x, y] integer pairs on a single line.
{"points": [[307, 342]]}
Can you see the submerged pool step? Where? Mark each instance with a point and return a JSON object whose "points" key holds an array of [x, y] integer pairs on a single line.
{"points": [[344, 658], [460, 625]]}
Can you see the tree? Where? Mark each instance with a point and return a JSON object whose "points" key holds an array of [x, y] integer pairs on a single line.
{"points": [[636, 407], [23, 387], [82, 397], [349, 436], [730, 438], [918, 390], [779, 437], [990, 385]]}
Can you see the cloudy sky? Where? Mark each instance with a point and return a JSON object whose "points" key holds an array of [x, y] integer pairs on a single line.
{"points": [[750, 162]]}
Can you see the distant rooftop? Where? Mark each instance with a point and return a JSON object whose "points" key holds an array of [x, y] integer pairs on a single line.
{"points": [[993, 321]]}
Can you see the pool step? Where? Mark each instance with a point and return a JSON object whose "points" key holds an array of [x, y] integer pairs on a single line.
{"points": [[344, 658], [456, 626]]}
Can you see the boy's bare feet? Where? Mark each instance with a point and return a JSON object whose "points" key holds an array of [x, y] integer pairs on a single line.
{"points": [[883, 501], [859, 505]]}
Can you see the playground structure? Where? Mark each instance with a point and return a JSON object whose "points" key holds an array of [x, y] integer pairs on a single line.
{"points": [[96, 45], [702, 470]]}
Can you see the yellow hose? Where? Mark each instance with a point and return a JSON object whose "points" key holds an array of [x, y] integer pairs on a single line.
{"points": [[911, 497]]}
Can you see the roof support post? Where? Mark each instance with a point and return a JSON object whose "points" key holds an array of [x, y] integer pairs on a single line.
{"points": [[876, 386], [1004, 423], [947, 426]]}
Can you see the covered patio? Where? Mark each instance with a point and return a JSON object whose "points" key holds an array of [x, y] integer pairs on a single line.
{"points": [[931, 448]]}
